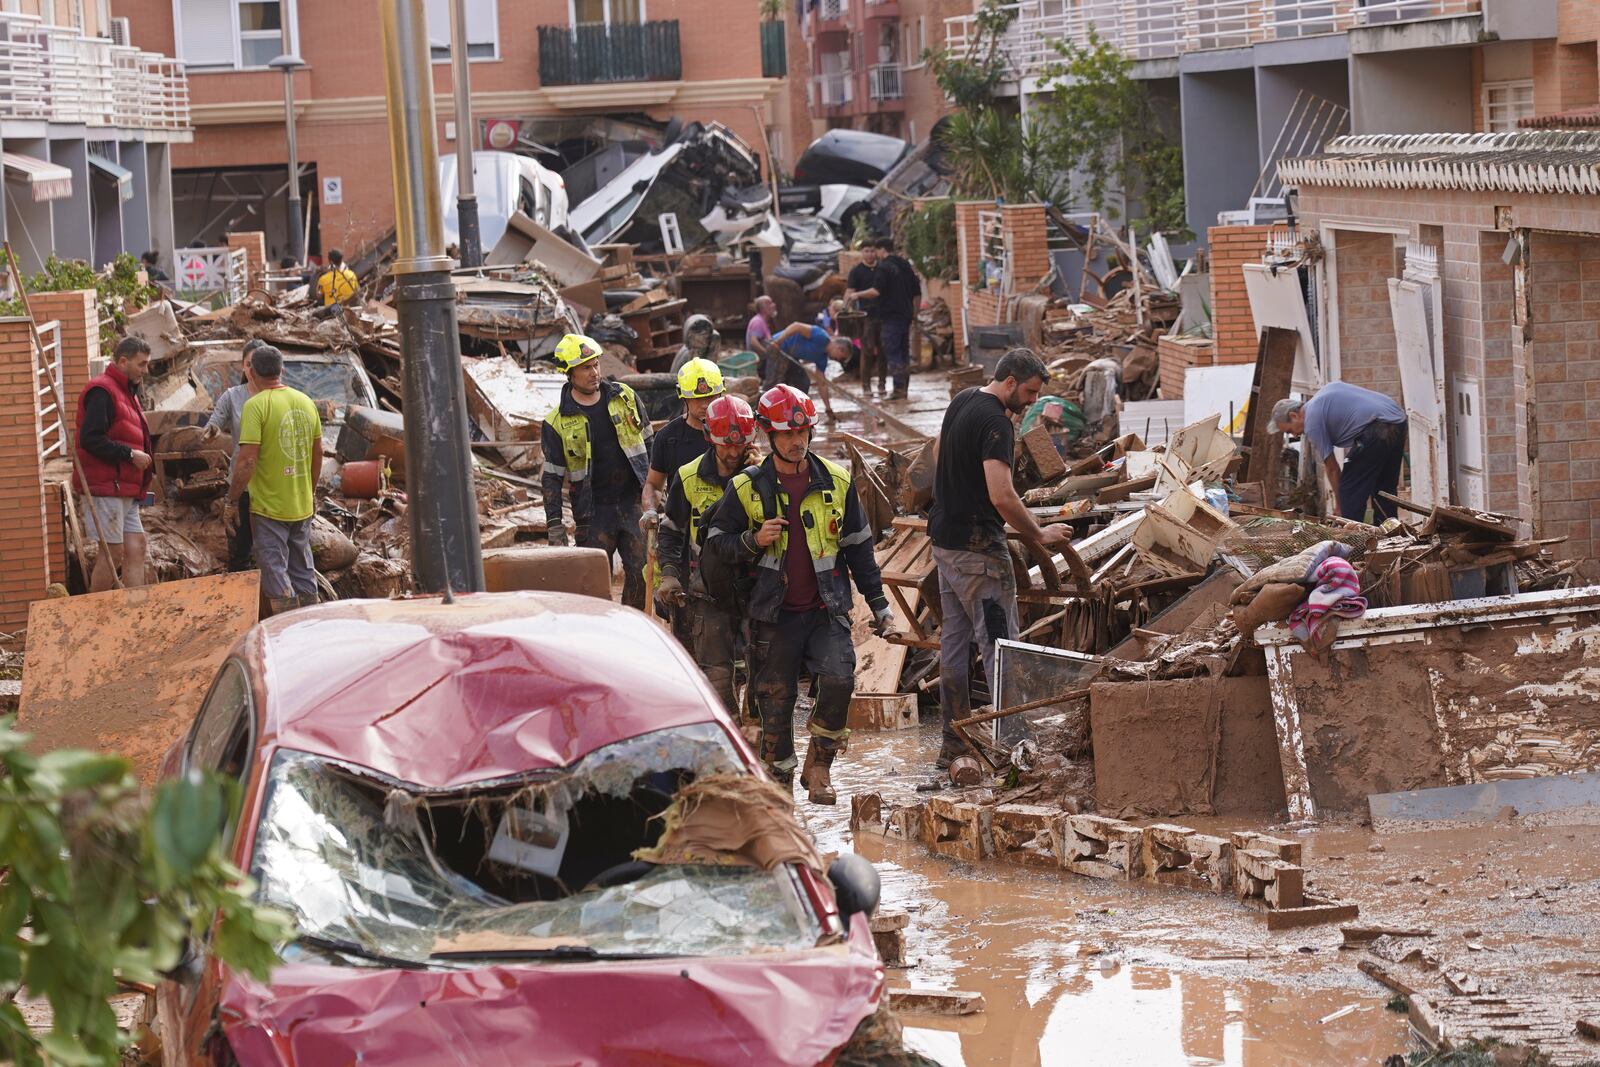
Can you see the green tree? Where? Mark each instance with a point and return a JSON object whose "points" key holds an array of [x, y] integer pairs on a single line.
{"points": [[99, 885], [116, 290]]}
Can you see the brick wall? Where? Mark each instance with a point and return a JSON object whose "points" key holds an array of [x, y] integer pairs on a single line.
{"points": [[254, 244], [24, 567], [1026, 243], [1175, 356], [1232, 325], [1366, 262], [76, 311], [981, 308]]}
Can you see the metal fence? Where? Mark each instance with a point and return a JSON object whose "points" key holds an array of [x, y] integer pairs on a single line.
{"points": [[52, 403], [884, 83]]}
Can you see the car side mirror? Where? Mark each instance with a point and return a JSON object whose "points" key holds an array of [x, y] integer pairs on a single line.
{"points": [[855, 885]]}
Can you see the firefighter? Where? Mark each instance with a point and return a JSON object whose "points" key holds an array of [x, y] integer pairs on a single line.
{"points": [[797, 521], [597, 442], [713, 620]]}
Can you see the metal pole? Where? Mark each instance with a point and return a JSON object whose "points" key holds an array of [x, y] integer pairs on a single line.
{"points": [[443, 511], [466, 193], [297, 247]]}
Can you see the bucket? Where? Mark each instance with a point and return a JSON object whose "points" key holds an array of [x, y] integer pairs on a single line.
{"points": [[362, 479], [738, 365]]}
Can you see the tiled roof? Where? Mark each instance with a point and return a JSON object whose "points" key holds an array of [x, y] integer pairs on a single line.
{"points": [[1535, 161], [1581, 118]]}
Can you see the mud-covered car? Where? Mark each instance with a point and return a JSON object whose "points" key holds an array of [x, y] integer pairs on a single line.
{"points": [[475, 814]]}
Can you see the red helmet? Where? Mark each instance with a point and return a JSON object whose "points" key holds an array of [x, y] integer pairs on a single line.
{"points": [[729, 421], [783, 407]]}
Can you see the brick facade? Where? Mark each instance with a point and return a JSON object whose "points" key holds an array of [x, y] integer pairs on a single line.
{"points": [[1233, 327], [24, 544], [254, 244], [1366, 262], [1176, 355]]}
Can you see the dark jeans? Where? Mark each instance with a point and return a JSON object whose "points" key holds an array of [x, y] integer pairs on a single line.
{"points": [[801, 640], [714, 632], [778, 367], [978, 600], [240, 544], [1372, 466], [615, 528], [897, 350], [872, 352]]}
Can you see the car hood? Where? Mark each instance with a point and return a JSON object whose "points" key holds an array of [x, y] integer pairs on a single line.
{"points": [[783, 1008]]}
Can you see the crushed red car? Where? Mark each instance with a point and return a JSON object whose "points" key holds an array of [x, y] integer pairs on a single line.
{"points": [[447, 798]]}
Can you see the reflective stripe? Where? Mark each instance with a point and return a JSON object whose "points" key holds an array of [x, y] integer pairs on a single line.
{"points": [[632, 450], [770, 562], [576, 476], [815, 729], [552, 468], [825, 563], [856, 538]]}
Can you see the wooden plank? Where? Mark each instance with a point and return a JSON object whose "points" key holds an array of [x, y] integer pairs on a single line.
{"points": [[935, 1001], [1274, 376]]}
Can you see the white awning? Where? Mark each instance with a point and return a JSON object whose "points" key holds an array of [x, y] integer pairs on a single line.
{"points": [[117, 173], [48, 180]]}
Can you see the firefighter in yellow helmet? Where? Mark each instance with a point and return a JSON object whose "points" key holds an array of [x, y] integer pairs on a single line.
{"points": [[596, 445]]}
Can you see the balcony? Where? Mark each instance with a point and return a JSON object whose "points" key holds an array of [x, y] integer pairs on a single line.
{"points": [[54, 74], [833, 92], [884, 82], [882, 9], [599, 54], [1155, 29]]}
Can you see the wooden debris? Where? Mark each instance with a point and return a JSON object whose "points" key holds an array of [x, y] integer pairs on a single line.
{"points": [[935, 1001]]}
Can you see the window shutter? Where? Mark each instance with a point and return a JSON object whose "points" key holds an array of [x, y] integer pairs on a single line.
{"points": [[207, 33]]}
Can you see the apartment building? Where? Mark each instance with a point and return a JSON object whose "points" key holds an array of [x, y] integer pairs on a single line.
{"points": [[87, 126], [563, 74], [1256, 81]]}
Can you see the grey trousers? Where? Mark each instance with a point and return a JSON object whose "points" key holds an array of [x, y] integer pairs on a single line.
{"points": [[283, 552], [978, 596]]}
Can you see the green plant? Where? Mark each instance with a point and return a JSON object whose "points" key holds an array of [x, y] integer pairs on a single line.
{"points": [[971, 81], [100, 886], [116, 290], [771, 10], [927, 232]]}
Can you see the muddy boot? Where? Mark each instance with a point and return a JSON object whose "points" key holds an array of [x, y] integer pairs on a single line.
{"points": [[816, 777], [947, 752], [308, 600], [900, 393], [277, 605]]}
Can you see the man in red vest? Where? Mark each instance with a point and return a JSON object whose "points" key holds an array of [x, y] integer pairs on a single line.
{"points": [[114, 457]]}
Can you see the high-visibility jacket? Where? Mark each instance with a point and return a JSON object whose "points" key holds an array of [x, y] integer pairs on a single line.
{"points": [[695, 489], [838, 539], [337, 285], [128, 427], [569, 456]]}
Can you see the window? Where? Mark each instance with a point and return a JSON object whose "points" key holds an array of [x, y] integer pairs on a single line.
{"points": [[1504, 103], [596, 12], [232, 34], [483, 29], [221, 738], [916, 42]]}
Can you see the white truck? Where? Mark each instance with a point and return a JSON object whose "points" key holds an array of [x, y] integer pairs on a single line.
{"points": [[505, 183]]}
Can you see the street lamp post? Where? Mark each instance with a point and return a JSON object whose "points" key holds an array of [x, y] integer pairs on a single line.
{"points": [[446, 553], [466, 131], [288, 62]]}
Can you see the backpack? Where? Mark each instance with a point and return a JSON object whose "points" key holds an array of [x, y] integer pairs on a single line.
{"points": [[728, 582]]}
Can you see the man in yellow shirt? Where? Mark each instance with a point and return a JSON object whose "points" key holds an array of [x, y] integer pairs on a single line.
{"points": [[338, 284], [278, 462]]}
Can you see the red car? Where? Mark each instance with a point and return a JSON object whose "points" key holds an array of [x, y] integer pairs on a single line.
{"points": [[446, 798]]}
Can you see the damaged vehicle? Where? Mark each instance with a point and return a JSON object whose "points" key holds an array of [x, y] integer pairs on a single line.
{"points": [[502, 842], [334, 381]]}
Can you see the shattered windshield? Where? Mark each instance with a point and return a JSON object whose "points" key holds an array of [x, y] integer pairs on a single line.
{"points": [[535, 868], [324, 381]]}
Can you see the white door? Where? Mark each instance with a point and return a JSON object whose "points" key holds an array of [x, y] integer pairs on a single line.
{"points": [[1415, 305], [1276, 300]]}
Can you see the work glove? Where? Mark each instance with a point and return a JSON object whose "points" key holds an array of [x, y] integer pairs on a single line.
{"points": [[670, 591], [557, 536], [883, 621], [649, 518]]}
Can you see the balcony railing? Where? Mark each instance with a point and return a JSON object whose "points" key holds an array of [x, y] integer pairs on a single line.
{"points": [[883, 82], [596, 54], [835, 89], [1153, 29], [828, 10], [56, 74]]}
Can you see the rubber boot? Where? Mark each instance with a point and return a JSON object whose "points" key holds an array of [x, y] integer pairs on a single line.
{"points": [[816, 777], [277, 605], [308, 600]]}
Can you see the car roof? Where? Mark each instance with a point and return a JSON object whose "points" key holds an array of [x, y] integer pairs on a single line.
{"points": [[492, 685]]}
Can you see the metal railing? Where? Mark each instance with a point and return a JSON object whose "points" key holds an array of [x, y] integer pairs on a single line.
{"points": [[57, 74], [220, 275], [829, 10], [835, 89], [52, 402], [1153, 29], [883, 82], [597, 54]]}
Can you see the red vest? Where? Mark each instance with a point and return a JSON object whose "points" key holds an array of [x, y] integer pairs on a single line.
{"points": [[128, 427]]}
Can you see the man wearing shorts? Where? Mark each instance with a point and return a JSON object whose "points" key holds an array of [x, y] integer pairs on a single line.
{"points": [[114, 468]]}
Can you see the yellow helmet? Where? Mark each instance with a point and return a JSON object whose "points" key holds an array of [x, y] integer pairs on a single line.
{"points": [[700, 378], [575, 349]]}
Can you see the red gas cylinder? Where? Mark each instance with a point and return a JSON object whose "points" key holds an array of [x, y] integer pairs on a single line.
{"points": [[362, 478]]}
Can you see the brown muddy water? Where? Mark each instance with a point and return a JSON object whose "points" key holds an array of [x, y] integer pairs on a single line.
{"points": [[1082, 972]]}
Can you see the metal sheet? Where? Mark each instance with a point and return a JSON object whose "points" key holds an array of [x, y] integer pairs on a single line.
{"points": [[125, 670], [1483, 801]]}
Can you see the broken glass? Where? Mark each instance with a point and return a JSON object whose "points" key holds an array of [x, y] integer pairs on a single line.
{"points": [[368, 868]]}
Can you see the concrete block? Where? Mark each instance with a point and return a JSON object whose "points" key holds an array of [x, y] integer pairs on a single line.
{"points": [[909, 823], [1179, 856], [1260, 875], [1099, 847], [1041, 448], [1021, 834], [957, 829], [1282, 848]]}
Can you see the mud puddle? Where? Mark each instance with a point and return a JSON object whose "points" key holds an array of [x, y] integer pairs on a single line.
{"points": [[1076, 971]]}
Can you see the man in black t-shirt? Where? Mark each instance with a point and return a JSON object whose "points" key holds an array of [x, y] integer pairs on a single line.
{"points": [[861, 285], [973, 499], [898, 294]]}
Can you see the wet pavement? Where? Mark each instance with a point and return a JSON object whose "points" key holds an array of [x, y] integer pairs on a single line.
{"points": [[1090, 973]]}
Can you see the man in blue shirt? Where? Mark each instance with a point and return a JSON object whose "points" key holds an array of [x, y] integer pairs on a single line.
{"points": [[812, 345], [1370, 425]]}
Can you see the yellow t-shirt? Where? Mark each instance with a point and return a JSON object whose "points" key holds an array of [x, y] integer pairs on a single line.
{"points": [[337, 284], [284, 422]]}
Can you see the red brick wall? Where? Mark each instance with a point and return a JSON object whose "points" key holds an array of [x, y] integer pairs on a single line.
{"points": [[1232, 325], [1023, 226], [1366, 262], [24, 568], [254, 244], [1177, 355], [78, 315]]}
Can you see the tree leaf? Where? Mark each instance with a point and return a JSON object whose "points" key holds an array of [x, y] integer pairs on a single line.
{"points": [[69, 770]]}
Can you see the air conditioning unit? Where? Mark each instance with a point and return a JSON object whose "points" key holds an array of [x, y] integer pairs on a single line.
{"points": [[119, 31]]}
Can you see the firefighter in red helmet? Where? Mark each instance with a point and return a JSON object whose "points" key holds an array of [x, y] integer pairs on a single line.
{"points": [[797, 523]]}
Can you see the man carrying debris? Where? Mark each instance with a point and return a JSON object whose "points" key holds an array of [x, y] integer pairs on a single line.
{"points": [[228, 416], [338, 284], [730, 427], [598, 442], [700, 341], [809, 348], [862, 282], [279, 463], [797, 521], [1370, 425], [973, 499], [114, 465]]}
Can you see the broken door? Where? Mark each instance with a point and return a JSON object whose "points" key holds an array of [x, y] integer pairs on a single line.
{"points": [[1276, 299], [1414, 302]]}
